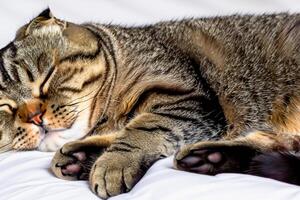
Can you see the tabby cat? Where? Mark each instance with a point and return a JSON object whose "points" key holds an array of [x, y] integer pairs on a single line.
{"points": [[227, 87]]}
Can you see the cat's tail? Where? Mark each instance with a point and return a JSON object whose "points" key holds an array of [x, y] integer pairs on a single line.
{"points": [[281, 166]]}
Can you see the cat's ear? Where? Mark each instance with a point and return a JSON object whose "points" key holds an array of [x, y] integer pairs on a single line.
{"points": [[45, 18], [46, 14]]}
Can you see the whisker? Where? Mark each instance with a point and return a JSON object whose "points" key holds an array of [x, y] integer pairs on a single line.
{"points": [[74, 116], [71, 117], [72, 111], [79, 98], [76, 102], [82, 110], [6, 147]]}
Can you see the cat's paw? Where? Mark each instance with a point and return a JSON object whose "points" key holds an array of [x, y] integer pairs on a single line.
{"points": [[115, 173], [74, 161], [201, 161], [214, 157]]}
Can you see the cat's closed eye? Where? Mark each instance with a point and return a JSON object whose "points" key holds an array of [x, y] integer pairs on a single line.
{"points": [[7, 105], [40, 89]]}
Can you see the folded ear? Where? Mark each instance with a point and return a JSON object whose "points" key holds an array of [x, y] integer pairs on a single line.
{"points": [[45, 18], [46, 14]]}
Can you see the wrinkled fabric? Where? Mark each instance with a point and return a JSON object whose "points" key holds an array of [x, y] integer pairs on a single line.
{"points": [[26, 175]]}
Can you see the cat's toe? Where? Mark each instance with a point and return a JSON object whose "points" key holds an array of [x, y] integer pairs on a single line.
{"points": [[81, 156], [214, 157], [68, 166], [201, 161], [76, 167], [71, 170], [115, 173], [74, 160]]}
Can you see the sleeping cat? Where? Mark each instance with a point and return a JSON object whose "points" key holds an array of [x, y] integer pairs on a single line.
{"points": [[227, 87]]}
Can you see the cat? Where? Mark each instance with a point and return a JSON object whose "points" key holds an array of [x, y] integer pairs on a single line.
{"points": [[112, 100]]}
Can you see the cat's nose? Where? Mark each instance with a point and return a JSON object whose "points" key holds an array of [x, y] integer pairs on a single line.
{"points": [[32, 111], [37, 119]]}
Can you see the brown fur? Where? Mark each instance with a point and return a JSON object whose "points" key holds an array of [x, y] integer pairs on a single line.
{"points": [[224, 86], [286, 115]]}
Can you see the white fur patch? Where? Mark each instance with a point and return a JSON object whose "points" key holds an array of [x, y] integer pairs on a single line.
{"points": [[53, 29], [52, 141]]}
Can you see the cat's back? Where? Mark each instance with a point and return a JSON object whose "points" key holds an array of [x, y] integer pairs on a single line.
{"points": [[256, 66], [250, 61]]}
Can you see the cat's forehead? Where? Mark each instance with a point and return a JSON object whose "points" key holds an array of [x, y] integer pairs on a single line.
{"points": [[51, 39], [31, 48], [19, 60]]}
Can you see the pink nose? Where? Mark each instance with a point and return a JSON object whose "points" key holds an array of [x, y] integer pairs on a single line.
{"points": [[37, 119]]}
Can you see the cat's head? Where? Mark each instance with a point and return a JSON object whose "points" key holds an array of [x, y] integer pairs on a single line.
{"points": [[49, 76]]}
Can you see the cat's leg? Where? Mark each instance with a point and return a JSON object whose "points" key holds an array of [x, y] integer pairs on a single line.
{"points": [[213, 157], [282, 166], [145, 139], [75, 159]]}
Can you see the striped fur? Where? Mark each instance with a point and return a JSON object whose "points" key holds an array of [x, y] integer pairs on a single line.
{"points": [[135, 95]]}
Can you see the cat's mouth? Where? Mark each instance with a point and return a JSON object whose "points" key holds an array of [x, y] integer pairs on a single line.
{"points": [[53, 139], [45, 130]]}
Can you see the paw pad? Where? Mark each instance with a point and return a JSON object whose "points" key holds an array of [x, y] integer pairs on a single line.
{"points": [[201, 161]]}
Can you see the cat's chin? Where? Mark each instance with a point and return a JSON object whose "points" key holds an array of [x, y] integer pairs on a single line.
{"points": [[52, 141]]}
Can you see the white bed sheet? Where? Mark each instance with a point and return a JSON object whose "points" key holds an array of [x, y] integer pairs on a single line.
{"points": [[26, 175]]}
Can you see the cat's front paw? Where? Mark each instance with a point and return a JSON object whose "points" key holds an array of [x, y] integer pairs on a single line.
{"points": [[74, 160], [115, 173]]}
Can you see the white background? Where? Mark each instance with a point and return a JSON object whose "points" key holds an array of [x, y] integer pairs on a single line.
{"points": [[14, 13]]}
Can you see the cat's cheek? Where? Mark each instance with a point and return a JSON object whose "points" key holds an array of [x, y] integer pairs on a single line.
{"points": [[27, 138]]}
